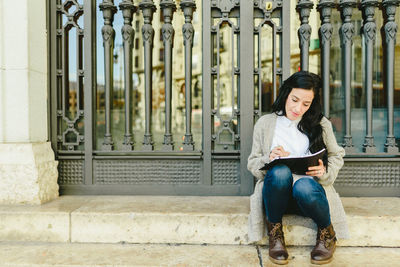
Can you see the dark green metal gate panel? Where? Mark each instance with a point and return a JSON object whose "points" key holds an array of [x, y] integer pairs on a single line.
{"points": [[115, 92], [216, 165]]}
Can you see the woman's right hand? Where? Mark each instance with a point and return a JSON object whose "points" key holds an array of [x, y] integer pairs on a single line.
{"points": [[278, 151]]}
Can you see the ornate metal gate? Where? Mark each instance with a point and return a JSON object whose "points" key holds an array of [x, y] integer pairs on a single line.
{"points": [[162, 99], [210, 156]]}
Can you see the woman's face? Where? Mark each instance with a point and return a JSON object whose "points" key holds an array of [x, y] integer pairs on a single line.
{"points": [[298, 102]]}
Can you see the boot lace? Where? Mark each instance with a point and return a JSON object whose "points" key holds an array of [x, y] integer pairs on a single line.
{"points": [[276, 232], [326, 238]]}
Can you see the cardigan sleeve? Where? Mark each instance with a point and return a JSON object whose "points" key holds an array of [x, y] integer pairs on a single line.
{"points": [[256, 159], [335, 154]]}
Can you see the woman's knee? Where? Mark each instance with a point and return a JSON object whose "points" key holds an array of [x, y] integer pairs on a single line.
{"points": [[279, 176], [307, 190]]}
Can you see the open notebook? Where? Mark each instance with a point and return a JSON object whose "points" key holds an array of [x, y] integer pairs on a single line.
{"points": [[298, 165]]}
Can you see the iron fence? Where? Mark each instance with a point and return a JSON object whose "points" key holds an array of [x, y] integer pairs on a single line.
{"points": [[234, 90]]}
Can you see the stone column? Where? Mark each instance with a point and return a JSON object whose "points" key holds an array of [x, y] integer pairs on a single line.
{"points": [[28, 170]]}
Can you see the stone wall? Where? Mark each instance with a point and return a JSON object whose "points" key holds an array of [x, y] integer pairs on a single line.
{"points": [[28, 173], [28, 170]]}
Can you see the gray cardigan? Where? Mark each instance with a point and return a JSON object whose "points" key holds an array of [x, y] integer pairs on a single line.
{"points": [[262, 139]]}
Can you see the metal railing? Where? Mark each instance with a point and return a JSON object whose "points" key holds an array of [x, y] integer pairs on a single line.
{"points": [[74, 133], [346, 34]]}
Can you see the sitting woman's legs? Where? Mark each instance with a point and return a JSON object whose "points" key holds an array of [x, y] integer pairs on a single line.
{"points": [[277, 192], [311, 199]]}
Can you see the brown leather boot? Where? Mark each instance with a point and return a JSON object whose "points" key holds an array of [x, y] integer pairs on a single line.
{"points": [[277, 249], [325, 246]]}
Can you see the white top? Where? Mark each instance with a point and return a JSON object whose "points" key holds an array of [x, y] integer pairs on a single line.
{"points": [[291, 139]]}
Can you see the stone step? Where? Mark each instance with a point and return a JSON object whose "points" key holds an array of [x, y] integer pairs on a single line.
{"points": [[118, 255], [181, 220]]}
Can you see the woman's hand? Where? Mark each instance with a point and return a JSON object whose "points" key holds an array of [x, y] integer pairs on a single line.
{"points": [[278, 152], [317, 171]]}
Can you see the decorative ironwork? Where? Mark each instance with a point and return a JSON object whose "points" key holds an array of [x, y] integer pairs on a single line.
{"points": [[70, 172], [390, 30], [369, 174], [267, 7], [346, 35], [226, 172], [226, 121], [225, 5], [214, 169], [147, 171], [168, 8], [369, 32], [304, 8], [70, 110], [188, 7], [108, 8], [325, 35], [128, 35], [148, 8]]}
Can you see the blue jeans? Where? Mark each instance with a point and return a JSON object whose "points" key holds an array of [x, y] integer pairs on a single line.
{"points": [[306, 197]]}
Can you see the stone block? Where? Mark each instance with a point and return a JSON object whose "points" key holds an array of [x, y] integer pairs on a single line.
{"points": [[49, 222], [188, 220], [28, 173]]}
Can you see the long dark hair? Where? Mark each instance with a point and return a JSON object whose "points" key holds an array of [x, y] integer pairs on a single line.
{"points": [[310, 122]]}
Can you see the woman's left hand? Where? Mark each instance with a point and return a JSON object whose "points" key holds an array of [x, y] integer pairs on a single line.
{"points": [[317, 171]]}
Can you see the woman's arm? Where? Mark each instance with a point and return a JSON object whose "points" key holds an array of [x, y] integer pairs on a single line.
{"points": [[256, 159], [335, 154]]}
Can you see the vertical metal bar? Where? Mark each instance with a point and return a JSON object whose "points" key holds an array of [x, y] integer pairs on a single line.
{"points": [[148, 8], [246, 99], [259, 67], [346, 35], [108, 8], [236, 74], [275, 91], [78, 100], [128, 35], [64, 70], [369, 32], [89, 87], [325, 35], [206, 92], [79, 67], [53, 32], [304, 32], [168, 8], [233, 69], [218, 71], [188, 7], [59, 81], [284, 45], [65, 85], [389, 32]]}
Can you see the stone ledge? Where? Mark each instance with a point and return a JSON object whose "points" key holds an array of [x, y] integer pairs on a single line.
{"points": [[219, 220], [183, 220], [28, 173], [143, 219]]}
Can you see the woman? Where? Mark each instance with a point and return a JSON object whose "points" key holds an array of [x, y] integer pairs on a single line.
{"points": [[296, 127]]}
